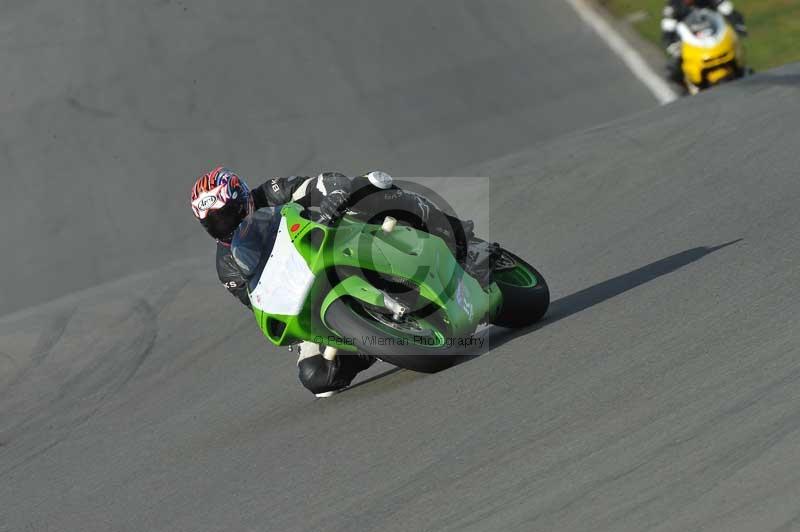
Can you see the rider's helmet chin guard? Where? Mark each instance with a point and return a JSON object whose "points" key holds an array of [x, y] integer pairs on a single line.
{"points": [[221, 200]]}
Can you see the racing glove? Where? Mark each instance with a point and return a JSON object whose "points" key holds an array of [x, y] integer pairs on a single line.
{"points": [[674, 50], [737, 21], [335, 189], [333, 204]]}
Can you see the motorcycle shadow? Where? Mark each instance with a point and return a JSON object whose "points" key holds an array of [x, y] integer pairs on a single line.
{"points": [[572, 304], [584, 299], [387, 373]]}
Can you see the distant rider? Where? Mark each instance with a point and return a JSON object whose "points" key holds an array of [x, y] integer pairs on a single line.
{"points": [[221, 200], [677, 10]]}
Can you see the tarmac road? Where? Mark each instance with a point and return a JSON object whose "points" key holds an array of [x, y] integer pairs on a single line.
{"points": [[661, 392], [111, 108]]}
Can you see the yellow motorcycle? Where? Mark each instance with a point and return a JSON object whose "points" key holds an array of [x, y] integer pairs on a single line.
{"points": [[711, 50]]}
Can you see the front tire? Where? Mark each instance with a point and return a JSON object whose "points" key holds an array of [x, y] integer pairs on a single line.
{"points": [[526, 295], [376, 335]]}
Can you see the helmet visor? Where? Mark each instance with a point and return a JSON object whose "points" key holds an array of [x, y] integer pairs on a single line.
{"points": [[221, 223]]}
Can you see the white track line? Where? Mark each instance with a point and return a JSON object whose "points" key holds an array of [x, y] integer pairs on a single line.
{"points": [[660, 89]]}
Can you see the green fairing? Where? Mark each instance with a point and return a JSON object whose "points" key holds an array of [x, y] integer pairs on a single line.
{"points": [[354, 246]]}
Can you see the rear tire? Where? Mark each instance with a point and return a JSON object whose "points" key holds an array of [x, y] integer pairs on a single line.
{"points": [[526, 295], [369, 335]]}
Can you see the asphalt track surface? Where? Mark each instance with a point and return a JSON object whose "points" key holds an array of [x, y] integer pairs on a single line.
{"points": [[659, 394], [111, 108]]}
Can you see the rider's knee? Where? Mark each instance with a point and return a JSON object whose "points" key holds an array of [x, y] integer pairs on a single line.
{"points": [[313, 370], [315, 374], [319, 375]]}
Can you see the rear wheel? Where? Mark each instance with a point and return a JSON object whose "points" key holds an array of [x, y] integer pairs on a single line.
{"points": [[415, 343], [526, 296]]}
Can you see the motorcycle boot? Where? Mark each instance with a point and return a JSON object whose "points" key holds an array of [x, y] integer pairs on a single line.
{"points": [[324, 377], [481, 259]]}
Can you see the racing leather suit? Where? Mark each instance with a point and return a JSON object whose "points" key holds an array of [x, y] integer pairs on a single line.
{"points": [[367, 202]]}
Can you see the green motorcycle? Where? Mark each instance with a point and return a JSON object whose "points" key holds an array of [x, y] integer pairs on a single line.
{"points": [[388, 290]]}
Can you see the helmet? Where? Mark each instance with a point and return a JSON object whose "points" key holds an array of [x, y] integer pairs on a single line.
{"points": [[221, 200]]}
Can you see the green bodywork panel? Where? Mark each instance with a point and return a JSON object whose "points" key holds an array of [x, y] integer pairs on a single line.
{"points": [[338, 257]]}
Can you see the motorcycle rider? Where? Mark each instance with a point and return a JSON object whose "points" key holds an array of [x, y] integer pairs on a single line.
{"points": [[221, 200], [675, 11]]}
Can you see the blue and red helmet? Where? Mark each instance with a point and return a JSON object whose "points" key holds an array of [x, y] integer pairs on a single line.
{"points": [[221, 200]]}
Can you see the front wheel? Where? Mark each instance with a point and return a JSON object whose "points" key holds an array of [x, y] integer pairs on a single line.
{"points": [[526, 296], [414, 343]]}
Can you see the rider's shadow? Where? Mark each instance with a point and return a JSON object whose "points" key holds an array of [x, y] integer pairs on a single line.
{"points": [[373, 378], [588, 297]]}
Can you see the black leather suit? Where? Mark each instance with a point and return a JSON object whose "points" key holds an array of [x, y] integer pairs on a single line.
{"points": [[367, 202]]}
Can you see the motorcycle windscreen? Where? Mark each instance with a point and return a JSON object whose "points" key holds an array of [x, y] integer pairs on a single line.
{"points": [[703, 28], [253, 240]]}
